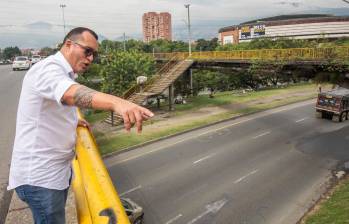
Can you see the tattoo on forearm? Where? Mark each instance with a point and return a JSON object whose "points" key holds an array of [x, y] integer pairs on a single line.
{"points": [[83, 97]]}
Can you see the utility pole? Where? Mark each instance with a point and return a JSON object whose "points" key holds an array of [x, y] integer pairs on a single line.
{"points": [[124, 42], [189, 31], [63, 6]]}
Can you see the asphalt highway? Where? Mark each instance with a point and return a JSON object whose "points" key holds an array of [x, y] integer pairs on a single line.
{"points": [[268, 167], [10, 87]]}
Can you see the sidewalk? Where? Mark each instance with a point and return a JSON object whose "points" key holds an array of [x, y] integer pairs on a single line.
{"points": [[19, 213]]}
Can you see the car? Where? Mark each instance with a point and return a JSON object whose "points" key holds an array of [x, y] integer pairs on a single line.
{"points": [[35, 59], [133, 211], [21, 62], [333, 104]]}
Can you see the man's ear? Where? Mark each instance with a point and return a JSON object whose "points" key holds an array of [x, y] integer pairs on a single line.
{"points": [[67, 43]]}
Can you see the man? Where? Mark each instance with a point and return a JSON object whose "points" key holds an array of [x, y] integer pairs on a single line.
{"points": [[46, 125]]}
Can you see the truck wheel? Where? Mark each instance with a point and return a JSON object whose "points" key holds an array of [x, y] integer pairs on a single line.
{"points": [[138, 221], [318, 114], [335, 118], [343, 116]]}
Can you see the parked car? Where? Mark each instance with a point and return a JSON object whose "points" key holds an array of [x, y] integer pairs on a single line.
{"points": [[333, 104], [21, 62], [35, 59], [134, 212]]}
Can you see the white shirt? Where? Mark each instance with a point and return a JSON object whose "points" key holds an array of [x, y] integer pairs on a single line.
{"points": [[46, 129]]}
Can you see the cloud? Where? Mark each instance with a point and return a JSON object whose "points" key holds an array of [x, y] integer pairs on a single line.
{"points": [[294, 4], [112, 18]]}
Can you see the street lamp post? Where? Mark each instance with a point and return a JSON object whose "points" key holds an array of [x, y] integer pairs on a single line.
{"points": [[63, 6], [189, 31]]}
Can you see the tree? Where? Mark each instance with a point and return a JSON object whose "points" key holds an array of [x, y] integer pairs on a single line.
{"points": [[47, 51], [11, 52], [165, 46], [206, 79], [206, 45], [267, 71], [119, 70], [333, 71], [91, 78]]}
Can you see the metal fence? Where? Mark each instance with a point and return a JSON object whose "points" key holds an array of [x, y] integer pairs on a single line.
{"points": [[263, 54]]}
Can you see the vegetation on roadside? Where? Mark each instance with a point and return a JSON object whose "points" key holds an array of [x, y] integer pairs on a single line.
{"points": [[334, 210], [110, 142]]}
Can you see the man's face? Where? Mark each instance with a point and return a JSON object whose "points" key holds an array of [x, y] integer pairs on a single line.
{"points": [[82, 51]]}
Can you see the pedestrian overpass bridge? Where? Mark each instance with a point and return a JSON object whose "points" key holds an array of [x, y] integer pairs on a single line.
{"points": [[178, 63]]}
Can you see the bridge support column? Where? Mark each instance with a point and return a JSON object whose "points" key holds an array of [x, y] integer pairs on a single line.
{"points": [[170, 97], [158, 102], [112, 118], [191, 81]]}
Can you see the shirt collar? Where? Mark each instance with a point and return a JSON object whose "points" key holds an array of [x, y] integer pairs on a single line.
{"points": [[67, 67]]}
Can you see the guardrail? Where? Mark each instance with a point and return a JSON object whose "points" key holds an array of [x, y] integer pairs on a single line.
{"points": [[264, 54], [97, 201]]}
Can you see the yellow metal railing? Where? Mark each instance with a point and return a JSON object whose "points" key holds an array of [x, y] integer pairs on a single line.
{"points": [[265, 54], [97, 201]]}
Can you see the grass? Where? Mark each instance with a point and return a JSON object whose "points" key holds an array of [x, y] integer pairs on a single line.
{"points": [[335, 210], [225, 98], [119, 141], [96, 116]]}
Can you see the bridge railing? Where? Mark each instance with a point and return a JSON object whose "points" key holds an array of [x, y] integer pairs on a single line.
{"points": [[171, 58], [97, 201], [265, 54]]}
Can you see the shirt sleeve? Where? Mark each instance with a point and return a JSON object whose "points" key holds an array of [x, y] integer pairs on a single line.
{"points": [[52, 82]]}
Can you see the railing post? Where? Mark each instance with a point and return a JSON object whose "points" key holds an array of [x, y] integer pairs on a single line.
{"points": [[112, 118], [170, 97]]}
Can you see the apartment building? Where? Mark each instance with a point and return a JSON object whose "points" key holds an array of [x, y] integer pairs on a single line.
{"points": [[157, 26]]}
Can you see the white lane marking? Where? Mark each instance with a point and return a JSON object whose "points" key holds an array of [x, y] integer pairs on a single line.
{"points": [[210, 208], [207, 132], [131, 190], [174, 219], [204, 158], [183, 140], [265, 133], [244, 177], [300, 120]]}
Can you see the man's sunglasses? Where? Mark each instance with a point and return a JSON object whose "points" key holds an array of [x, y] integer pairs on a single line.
{"points": [[87, 50]]}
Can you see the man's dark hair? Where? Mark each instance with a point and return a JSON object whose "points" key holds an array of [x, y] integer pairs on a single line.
{"points": [[75, 33]]}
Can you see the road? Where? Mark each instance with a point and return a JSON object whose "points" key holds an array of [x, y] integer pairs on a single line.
{"points": [[268, 168], [10, 87]]}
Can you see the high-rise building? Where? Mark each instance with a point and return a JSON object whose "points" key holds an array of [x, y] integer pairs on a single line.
{"points": [[157, 26]]}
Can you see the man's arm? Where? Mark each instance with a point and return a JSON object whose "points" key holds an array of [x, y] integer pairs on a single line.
{"points": [[84, 97]]}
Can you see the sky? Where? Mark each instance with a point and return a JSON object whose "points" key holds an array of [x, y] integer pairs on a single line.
{"points": [[112, 18]]}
